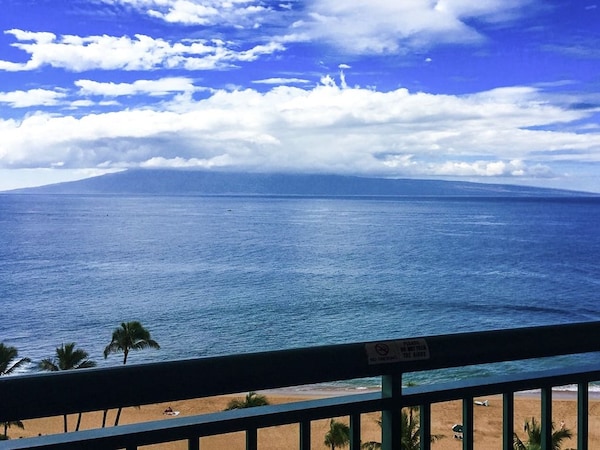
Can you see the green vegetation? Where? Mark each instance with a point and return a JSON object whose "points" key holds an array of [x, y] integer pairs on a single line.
{"points": [[8, 359], [252, 399], [9, 362], [338, 435], [410, 429], [67, 358], [534, 437], [129, 336], [7, 425]]}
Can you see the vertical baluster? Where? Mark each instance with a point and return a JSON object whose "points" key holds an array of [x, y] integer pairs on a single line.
{"points": [[251, 439], [305, 435], [582, 416], [194, 443], [391, 387], [546, 418], [355, 432], [468, 423], [508, 420], [425, 426]]}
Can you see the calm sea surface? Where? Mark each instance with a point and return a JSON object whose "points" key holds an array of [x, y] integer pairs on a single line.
{"points": [[220, 275]]}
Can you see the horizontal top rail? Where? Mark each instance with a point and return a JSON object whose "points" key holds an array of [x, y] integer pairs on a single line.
{"points": [[51, 394]]}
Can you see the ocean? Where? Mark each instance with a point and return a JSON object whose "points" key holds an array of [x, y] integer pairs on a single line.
{"points": [[222, 275]]}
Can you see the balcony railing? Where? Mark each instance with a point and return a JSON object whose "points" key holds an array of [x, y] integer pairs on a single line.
{"points": [[54, 394]]}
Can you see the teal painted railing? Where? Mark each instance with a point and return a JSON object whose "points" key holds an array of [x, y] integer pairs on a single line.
{"points": [[54, 394]]}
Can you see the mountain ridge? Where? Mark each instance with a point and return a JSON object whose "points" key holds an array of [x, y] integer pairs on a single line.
{"points": [[188, 182]]}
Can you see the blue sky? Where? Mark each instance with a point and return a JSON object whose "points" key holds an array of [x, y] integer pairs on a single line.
{"points": [[493, 91]]}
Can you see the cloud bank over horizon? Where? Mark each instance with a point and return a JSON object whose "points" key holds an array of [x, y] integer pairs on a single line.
{"points": [[407, 90]]}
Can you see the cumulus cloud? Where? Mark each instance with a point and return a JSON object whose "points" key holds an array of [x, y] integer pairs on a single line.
{"points": [[502, 132], [32, 97], [357, 27], [381, 26], [232, 13], [141, 52]]}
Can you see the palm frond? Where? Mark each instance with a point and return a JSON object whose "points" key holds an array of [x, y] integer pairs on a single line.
{"points": [[338, 434], [8, 355], [130, 336], [534, 436], [251, 400], [49, 365]]}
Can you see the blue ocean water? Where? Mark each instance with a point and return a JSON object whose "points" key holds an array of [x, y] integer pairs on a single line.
{"points": [[220, 275]]}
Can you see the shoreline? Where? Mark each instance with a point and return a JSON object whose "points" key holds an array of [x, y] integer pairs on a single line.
{"points": [[487, 420], [558, 393]]}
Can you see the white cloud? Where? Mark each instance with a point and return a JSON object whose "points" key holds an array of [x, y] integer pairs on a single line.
{"points": [[158, 87], [498, 133], [280, 81], [32, 97], [142, 52], [191, 163], [382, 26], [233, 13], [358, 26]]}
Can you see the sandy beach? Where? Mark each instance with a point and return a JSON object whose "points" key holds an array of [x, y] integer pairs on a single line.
{"points": [[488, 422]]}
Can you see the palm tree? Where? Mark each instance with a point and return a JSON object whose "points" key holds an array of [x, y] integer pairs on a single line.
{"points": [[67, 358], [338, 434], [8, 364], [7, 425], [409, 426], [129, 336], [7, 356], [252, 399], [534, 437], [410, 438]]}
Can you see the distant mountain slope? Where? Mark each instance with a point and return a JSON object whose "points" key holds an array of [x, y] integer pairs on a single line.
{"points": [[179, 182]]}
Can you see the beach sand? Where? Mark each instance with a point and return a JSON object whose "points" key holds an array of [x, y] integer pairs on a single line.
{"points": [[487, 422]]}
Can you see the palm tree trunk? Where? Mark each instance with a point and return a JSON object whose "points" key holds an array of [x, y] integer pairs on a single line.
{"points": [[104, 418], [65, 422], [78, 422], [5, 428], [118, 416]]}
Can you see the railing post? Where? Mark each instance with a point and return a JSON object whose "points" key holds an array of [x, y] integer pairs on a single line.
{"points": [[582, 416], [305, 435], [354, 431], [194, 443], [425, 426], [251, 439], [391, 419], [508, 420], [467, 408], [546, 422]]}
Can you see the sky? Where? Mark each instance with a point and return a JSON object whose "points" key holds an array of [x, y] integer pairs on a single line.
{"points": [[492, 91]]}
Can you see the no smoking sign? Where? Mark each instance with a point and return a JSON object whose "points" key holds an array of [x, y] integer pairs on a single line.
{"points": [[396, 351]]}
